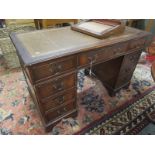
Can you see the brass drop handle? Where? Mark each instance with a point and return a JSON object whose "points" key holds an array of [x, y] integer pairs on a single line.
{"points": [[117, 51], [55, 68], [58, 85], [60, 100], [59, 67]]}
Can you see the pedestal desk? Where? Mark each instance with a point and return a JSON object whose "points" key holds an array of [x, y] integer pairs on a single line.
{"points": [[51, 58]]}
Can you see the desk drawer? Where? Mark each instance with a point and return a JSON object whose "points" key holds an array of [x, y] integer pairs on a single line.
{"points": [[58, 100], [136, 44], [52, 68], [53, 114], [102, 54], [51, 87]]}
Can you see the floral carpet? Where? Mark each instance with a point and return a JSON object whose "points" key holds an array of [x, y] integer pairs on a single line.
{"points": [[18, 114]]}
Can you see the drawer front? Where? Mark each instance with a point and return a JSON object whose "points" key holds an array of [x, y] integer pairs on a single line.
{"points": [[53, 68], [106, 53], [136, 44], [52, 87], [59, 100], [51, 115]]}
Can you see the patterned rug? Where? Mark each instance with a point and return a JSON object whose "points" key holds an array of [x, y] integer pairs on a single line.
{"points": [[129, 119], [98, 112]]}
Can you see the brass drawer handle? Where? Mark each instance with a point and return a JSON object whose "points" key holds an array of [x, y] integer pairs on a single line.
{"points": [[60, 99], [55, 68], [59, 112], [65, 110], [58, 85]]}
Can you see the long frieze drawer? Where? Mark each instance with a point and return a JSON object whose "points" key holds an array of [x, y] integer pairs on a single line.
{"points": [[138, 43], [51, 87], [58, 100], [106, 53], [52, 68], [51, 115]]}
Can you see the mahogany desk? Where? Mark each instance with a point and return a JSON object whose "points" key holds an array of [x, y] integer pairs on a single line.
{"points": [[51, 58]]}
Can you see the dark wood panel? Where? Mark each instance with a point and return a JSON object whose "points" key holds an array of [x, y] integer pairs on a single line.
{"points": [[130, 62], [108, 71], [128, 66]]}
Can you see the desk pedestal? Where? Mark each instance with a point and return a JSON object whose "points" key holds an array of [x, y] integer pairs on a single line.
{"points": [[117, 73]]}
